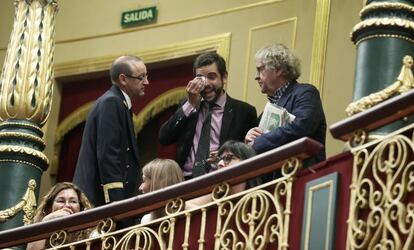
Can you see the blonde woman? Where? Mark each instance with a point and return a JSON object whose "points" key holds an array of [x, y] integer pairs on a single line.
{"points": [[158, 174]]}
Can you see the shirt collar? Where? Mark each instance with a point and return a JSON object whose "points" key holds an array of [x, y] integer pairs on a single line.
{"points": [[127, 99], [221, 101], [278, 93]]}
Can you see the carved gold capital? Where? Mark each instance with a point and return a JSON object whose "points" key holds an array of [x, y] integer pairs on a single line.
{"points": [[26, 81]]}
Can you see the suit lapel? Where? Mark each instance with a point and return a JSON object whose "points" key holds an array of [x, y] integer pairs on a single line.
{"points": [[130, 123], [132, 134], [227, 119]]}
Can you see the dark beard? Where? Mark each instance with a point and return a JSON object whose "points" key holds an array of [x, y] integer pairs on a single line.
{"points": [[218, 92]]}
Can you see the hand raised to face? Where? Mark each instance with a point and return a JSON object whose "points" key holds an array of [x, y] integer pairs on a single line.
{"points": [[194, 89]]}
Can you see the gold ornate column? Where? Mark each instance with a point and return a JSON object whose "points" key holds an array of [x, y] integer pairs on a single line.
{"points": [[26, 86]]}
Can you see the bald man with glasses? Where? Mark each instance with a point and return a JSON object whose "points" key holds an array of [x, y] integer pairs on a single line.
{"points": [[107, 169]]}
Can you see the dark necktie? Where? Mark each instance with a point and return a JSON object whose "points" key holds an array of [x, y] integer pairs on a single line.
{"points": [[203, 149]]}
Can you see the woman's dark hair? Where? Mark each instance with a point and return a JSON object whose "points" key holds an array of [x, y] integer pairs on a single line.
{"points": [[46, 203], [239, 149]]}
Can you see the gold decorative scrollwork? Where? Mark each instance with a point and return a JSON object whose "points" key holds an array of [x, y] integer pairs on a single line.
{"points": [[106, 226], [24, 150], [28, 205], [385, 21], [23, 136], [405, 82], [109, 242], [381, 214], [260, 218], [252, 219], [137, 238], [358, 138], [220, 191], [291, 167], [174, 206], [166, 230], [58, 238]]}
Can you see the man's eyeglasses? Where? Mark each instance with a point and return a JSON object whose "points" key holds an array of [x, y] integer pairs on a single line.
{"points": [[141, 78], [260, 69]]}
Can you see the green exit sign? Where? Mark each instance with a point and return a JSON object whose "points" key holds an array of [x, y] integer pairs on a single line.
{"points": [[138, 17]]}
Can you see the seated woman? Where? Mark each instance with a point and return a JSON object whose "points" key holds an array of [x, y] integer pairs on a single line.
{"points": [[158, 174], [63, 199], [230, 153], [161, 173]]}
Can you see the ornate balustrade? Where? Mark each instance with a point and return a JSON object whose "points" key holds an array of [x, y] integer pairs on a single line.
{"points": [[381, 208], [254, 218]]}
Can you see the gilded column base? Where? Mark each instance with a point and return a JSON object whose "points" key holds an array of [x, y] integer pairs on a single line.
{"points": [[21, 162], [383, 38]]}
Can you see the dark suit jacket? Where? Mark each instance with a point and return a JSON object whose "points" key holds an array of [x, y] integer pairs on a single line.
{"points": [[303, 101], [238, 118], [108, 158]]}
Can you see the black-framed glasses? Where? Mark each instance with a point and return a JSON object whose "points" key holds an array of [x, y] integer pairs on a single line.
{"points": [[141, 78], [227, 158]]}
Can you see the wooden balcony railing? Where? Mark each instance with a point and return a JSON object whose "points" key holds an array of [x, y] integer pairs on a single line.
{"points": [[391, 110], [287, 157]]}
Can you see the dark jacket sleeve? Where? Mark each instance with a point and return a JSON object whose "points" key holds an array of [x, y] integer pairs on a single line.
{"points": [[306, 105], [172, 129]]}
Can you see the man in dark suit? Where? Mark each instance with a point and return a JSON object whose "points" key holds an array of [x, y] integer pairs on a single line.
{"points": [[207, 118], [277, 73], [107, 169]]}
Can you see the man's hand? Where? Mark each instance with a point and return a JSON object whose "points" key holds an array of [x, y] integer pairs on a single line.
{"points": [[194, 88], [251, 135]]}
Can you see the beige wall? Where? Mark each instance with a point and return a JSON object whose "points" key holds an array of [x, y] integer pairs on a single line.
{"points": [[89, 36]]}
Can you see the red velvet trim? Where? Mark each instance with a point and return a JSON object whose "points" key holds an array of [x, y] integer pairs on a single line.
{"points": [[342, 164]]}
